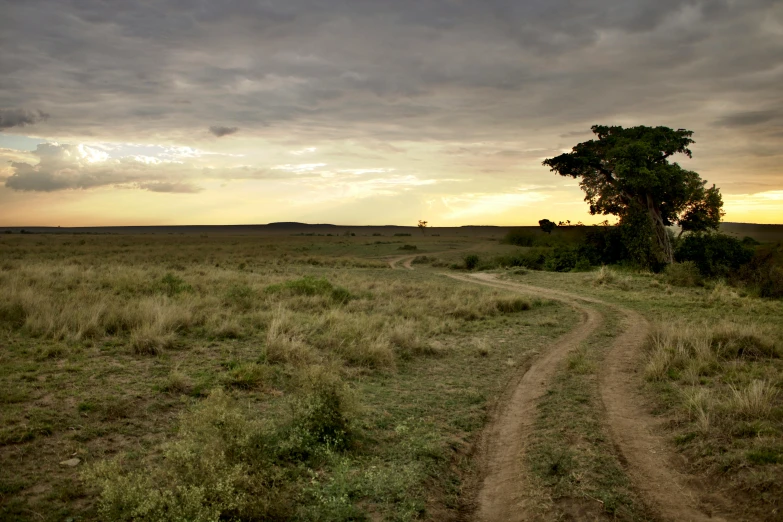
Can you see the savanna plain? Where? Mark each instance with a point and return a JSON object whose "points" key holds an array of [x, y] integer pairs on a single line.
{"points": [[357, 375]]}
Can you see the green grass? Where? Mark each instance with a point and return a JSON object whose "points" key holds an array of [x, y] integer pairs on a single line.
{"points": [[78, 377]]}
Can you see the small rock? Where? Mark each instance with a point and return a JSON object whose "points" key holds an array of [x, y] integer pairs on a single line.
{"points": [[70, 463]]}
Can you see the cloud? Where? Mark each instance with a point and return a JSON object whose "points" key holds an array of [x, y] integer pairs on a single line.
{"points": [[221, 131], [475, 91], [748, 118], [64, 166], [182, 188], [20, 117], [354, 68]]}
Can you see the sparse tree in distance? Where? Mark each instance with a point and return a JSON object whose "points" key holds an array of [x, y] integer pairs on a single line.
{"points": [[546, 225], [626, 172], [422, 226]]}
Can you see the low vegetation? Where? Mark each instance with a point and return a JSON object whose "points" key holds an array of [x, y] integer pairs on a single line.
{"points": [[723, 381], [712, 368], [201, 380]]}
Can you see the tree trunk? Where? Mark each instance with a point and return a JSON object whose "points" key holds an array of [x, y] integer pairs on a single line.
{"points": [[660, 231]]}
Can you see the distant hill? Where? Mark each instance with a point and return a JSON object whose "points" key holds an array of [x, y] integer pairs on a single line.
{"points": [[763, 233]]}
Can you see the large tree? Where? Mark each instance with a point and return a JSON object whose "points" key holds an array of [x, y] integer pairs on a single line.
{"points": [[626, 172]]}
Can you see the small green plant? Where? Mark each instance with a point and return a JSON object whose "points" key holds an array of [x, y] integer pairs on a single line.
{"points": [[172, 285], [471, 261], [309, 285]]}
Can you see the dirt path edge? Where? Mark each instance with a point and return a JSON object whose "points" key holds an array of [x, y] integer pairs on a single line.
{"points": [[646, 455], [500, 495]]}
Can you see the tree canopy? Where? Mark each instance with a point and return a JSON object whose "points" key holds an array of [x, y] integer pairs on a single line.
{"points": [[626, 172], [546, 225]]}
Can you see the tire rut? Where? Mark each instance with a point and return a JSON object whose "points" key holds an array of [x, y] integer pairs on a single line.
{"points": [[647, 457], [501, 492]]}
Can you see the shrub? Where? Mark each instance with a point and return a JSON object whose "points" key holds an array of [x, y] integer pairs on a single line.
{"points": [[471, 261], [561, 259], [512, 305], [764, 272], [310, 285], [321, 414], [713, 254], [683, 274], [211, 471], [12, 314], [408, 247], [519, 237], [423, 260], [533, 259], [172, 285]]}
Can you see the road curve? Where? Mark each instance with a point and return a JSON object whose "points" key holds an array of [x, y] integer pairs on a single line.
{"points": [[500, 496], [647, 456]]}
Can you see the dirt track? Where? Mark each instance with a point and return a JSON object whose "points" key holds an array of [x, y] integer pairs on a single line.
{"points": [[647, 456], [406, 261], [504, 443]]}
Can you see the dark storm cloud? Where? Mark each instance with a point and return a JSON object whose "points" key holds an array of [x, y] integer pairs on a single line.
{"points": [[389, 69], [744, 119], [20, 117], [221, 131]]}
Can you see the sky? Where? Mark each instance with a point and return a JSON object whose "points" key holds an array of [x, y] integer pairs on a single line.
{"points": [[371, 112]]}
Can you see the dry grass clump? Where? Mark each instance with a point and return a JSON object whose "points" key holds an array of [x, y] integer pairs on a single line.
{"points": [[482, 347], [285, 343], [717, 365], [408, 343], [754, 401], [177, 382], [699, 404], [512, 305], [358, 339], [722, 381], [250, 375], [151, 340], [676, 347], [605, 276], [723, 293]]}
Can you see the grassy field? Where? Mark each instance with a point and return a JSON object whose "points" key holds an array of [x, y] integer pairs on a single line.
{"points": [[712, 373], [299, 377], [258, 377]]}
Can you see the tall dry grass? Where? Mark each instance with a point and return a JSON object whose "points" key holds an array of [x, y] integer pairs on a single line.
{"points": [[715, 366]]}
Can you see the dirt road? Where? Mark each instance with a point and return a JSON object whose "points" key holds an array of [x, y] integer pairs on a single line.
{"points": [[646, 455]]}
